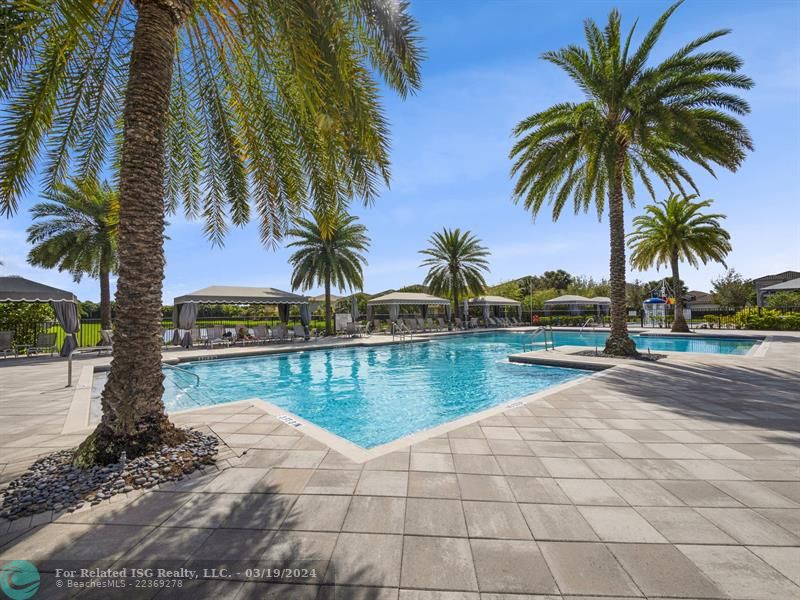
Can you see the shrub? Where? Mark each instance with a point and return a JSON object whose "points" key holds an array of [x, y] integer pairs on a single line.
{"points": [[769, 319]]}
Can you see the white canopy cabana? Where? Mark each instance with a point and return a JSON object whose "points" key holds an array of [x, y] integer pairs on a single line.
{"points": [[574, 302], [65, 304], [395, 300], [487, 302], [184, 310]]}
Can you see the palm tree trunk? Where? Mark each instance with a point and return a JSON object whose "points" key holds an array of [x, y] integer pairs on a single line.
{"points": [[679, 323], [328, 311], [105, 297], [133, 419], [618, 343]]}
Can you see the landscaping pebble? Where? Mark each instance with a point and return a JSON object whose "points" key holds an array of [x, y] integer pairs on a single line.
{"points": [[54, 483]]}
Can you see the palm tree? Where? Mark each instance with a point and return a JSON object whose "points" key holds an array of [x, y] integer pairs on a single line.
{"points": [[329, 252], [674, 230], [223, 107], [456, 264], [637, 122], [76, 231]]}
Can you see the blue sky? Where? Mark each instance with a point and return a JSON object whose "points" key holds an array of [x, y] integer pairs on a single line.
{"points": [[450, 144]]}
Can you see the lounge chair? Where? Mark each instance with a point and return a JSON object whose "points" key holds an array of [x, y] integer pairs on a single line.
{"points": [[377, 326], [216, 337], [279, 333], [459, 323], [421, 325], [473, 323], [260, 334], [299, 333], [45, 342], [6, 343], [442, 324]]}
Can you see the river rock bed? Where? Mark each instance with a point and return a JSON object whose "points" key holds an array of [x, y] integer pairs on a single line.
{"points": [[54, 483]]}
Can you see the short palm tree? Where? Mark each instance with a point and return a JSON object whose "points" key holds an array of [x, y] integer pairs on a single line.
{"points": [[456, 262], [638, 121], [225, 107], [329, 253], [676, 230], [76, 231]]}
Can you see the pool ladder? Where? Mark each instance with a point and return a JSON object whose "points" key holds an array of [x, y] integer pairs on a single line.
{"points": [[401, 330], [544, 331]]}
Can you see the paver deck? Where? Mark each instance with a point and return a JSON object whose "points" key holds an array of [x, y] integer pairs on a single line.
{"points": [[673, 480]]}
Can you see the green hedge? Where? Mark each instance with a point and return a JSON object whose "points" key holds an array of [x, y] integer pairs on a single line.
{"points": [[769, 319]]}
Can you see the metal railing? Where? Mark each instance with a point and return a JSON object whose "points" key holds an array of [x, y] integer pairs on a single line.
{"points": [[401, 330], [186, 371]]}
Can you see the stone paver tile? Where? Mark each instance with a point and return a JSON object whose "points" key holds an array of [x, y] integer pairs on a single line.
{"points": [[468, 432], [432, 461], [590, 492], [303, 459], [259, 511], [557, 522], [495, 520], [710, 469], [663, 468], [367, 559], [476, 464], [683, 525], [352, 592], [383, 483], [332, 481], [784, 560], [587, 568], [537, 490], [510, 447], [469, 446], [167, 543], [675, 451], [500, 433], [433, 485], [107, 542], [755, 494], [442, 563], [719, 451], [292, 548], [749, 527], [262, 458], [788, 518], [789, 489], [318, 513], [740, 573], [277, 442], [567, 467], [537, 434], [591, 450], [525, 466], [152, 508], [238, 480], [435, 516], [394, 461], [335, 460], [495, 421], [274, 591], [285, 481], [614, 468], [511, 566], [484, 487], [642, 492], [439, 445], [440, 595], [763, 470], [200, 588], [552, 449], [205, 510], [699, 494], [375, 514], [233, 544], [662, 570], [620, 524]]}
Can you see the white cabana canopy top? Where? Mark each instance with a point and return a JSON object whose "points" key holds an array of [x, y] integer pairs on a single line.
{"points": [[232, 294], [571, 299], [408, 298], [601, 300], [493, 301]]}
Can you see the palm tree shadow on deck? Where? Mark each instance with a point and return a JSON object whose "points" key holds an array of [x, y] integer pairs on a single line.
{"points": [[230, 540], [757, 396]]}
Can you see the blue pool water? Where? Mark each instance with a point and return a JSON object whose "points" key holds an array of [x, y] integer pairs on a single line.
{"points": [[372, 396], [654, 343]]}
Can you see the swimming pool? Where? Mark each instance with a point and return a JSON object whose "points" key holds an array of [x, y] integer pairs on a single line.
{"points": [[371, 396], [656, 343]]}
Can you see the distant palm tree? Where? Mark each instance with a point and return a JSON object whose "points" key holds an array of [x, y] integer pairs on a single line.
{"points": [[76, 231], [674, 230], [457, 263], [233, 109], [637, 121], [329, 253]]}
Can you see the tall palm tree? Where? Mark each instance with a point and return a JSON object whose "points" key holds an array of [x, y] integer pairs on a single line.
{"points": [[638, 121], [76, 231], [456, 264], [675, 230], [218, 106], [329, 253]]}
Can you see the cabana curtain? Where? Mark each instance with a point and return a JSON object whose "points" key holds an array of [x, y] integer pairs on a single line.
{"points": [[67, 317], [184, 317]]}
